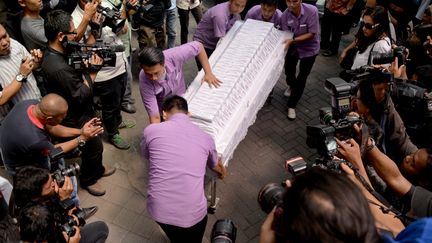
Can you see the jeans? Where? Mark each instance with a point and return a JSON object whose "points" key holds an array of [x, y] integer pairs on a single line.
{"points": [[184, 21], [297, 83], [95, 232], [170, 18], [110, 93], [193, 234], [127, 95]]}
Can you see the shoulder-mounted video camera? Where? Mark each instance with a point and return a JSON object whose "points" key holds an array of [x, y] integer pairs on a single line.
{"points": [[78, 53]]}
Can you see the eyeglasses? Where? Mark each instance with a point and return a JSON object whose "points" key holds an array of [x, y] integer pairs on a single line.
{"points": [[70, 33], [369, 26]]}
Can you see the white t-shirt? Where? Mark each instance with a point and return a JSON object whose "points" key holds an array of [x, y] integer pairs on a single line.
{"points": [[381, 46]]}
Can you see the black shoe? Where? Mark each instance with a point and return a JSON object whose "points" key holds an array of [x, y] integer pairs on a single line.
{"points": [[129, 108], [88, 212], [328, 53]]}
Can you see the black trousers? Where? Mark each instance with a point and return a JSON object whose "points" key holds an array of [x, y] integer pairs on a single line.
{"points": [[111, 93], [92, 168], [297, 82], [184, 21], [94, 232], [332, 26], [193, 234]]}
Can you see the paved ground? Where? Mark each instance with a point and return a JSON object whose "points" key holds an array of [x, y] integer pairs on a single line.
{"points": [[258, 160]]}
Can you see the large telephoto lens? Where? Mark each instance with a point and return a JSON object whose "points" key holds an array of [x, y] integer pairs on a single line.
{"points": [[270, 196]]}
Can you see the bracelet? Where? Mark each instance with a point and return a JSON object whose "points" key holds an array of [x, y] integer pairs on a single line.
{"points": [[370, 146]]}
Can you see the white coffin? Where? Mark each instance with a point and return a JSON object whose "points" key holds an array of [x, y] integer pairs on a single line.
{"points": [[249, 61]]}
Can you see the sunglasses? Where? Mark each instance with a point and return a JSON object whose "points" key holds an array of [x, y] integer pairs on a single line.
{"points": [[70, 33], [369, 26]]}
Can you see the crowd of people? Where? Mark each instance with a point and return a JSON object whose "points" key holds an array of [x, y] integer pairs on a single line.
{"points": [[60, 95]]}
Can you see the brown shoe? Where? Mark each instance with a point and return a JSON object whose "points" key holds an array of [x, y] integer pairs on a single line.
{"points": [[109, 170], [96, 189]]}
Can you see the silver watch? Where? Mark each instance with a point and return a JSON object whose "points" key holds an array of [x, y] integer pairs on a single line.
{"points": [[21, 78]]}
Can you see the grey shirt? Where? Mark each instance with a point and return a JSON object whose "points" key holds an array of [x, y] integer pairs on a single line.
{"points": [[33, 33]]}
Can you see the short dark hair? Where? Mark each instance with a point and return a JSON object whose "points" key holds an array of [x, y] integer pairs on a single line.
{"points": [[325, 206], [175, 103], [56, 21], [270, 2], [36, 224], [150, 56], [28, 184]]}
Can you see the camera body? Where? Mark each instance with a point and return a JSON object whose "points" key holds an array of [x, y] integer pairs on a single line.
{"points": [[78, 53], [65, 222], [322, 136]]}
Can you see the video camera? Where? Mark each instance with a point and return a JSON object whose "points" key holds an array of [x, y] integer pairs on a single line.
{"points": [[111, 18], [79, 52]]}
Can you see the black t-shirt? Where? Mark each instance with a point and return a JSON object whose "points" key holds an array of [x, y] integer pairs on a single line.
{"points": [[21, 141], [62, 79]]}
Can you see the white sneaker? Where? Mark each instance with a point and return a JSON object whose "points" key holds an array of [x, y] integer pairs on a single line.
{"points": [[291, 114], [287, 92]]}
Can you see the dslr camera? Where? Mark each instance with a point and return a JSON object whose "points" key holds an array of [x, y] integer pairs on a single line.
{"points": [[65, 222], [59, 174], [386, 58], [224, 231]]}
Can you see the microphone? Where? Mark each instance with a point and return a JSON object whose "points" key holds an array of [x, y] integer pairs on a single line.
{"points": [[117, 48]]}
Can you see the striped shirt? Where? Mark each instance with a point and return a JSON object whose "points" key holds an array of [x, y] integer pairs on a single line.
{"points": [[10, 67]]}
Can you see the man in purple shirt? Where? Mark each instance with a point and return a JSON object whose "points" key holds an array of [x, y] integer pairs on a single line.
{"points": [[178, 152], [267, 11], [162, 74], [216, 22], [301, 19]]}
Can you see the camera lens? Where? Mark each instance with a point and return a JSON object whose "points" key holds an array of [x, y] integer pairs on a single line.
{"points": [[270, 196], [224, 231], [72, 170]]}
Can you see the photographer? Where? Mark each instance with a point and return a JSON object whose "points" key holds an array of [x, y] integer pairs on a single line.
{"points": [[374, 104], [417, 166], [77, 89], [109, 84], [38, 224], [321, 205], [371, 37], [25, 135], [35, 186], [17, 82]]}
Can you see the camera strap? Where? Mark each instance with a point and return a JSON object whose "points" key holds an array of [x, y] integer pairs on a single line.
{"points": [[386, 208]]}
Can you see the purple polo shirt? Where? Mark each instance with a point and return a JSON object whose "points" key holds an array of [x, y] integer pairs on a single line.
{"points": [[178, 152], [307, 22], [255, 13], [154, 92], [215, 23]]}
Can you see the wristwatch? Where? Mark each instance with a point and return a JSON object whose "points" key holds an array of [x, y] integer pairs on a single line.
{"points": [[21, 78], [81, 142]]}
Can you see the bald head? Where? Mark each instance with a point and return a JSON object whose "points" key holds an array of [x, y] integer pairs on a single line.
{"points": [[53, 105]]}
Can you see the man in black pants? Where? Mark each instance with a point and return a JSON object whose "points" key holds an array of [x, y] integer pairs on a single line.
{"points": [[67, 82]]}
